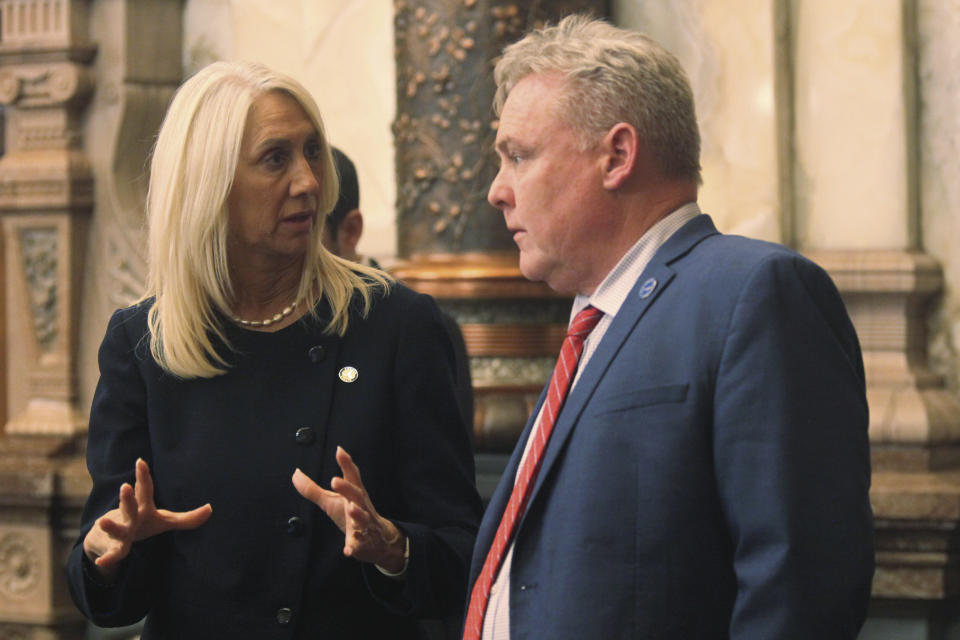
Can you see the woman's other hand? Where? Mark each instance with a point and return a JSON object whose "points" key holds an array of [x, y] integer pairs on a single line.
{"points": [[137, 518], [368, 536]]}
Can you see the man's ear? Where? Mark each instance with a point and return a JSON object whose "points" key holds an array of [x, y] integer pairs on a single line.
{"points": [[621, 147], [349, 232]]}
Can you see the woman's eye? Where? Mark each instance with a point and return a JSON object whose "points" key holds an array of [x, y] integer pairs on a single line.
{"points": [[274, 159], [312, 151]]}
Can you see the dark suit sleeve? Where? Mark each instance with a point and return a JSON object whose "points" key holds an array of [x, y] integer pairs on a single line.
{"points": [[434, 459], [118, 436], [792, 458]]}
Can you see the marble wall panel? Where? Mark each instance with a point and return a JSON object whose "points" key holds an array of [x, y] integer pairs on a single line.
{"points": [[727, 49], [939, 59], [854, 125]]}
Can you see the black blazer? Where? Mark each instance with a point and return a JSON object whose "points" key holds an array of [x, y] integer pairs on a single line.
{"points": [[268, 563]]}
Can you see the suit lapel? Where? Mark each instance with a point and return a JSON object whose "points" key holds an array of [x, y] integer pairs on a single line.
{"points": [[646, 291], [623, 324], [501, 495]]}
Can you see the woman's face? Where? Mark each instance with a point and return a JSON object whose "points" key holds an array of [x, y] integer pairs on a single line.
{"points": [[273, 202]]}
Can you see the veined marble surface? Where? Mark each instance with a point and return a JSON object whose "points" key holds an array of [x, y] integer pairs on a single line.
{"points": [[343, 53], [852, 125], [939, 59], [727, 49]]}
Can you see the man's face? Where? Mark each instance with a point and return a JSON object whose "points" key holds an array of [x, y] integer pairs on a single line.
{"points": [[551, 192]]}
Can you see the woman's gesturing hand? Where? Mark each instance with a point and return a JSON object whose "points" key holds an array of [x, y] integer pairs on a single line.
{"points": [[137, 518], [368, 536]]}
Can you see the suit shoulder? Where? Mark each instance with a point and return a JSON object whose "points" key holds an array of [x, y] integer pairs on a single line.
{"points": [[749, 255]]}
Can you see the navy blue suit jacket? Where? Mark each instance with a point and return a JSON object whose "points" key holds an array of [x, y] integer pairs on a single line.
{"points": [[708, 476]]}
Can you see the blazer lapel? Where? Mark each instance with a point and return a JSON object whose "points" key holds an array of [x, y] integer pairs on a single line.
{"points": [[646, 291]]}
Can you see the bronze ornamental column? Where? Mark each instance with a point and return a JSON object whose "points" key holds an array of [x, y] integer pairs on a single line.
{"points": [[451, 242]]}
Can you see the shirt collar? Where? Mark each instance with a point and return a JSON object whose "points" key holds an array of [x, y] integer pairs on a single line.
{"points": [[616, 286]]}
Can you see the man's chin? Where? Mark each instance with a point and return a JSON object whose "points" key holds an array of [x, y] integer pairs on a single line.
{"points": [[540, 273]]}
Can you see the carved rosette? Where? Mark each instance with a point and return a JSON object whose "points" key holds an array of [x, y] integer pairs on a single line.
{"points": [[20, 566]]}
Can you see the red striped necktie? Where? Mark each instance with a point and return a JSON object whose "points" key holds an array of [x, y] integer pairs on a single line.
{"points": [[563, 374]]}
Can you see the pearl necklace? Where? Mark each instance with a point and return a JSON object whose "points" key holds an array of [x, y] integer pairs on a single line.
{"points": [[277, 317]]}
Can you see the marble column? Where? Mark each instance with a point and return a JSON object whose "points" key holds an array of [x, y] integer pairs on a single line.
{"points": [[452, 243]]}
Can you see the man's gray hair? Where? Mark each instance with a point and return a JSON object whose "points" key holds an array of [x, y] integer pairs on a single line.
{"points": [[612, 75]]}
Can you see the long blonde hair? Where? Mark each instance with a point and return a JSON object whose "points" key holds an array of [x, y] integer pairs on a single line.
{"points": [[191, 174]]}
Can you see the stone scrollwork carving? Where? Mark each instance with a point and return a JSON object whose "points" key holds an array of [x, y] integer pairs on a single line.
{"points": [[44, 85], [38, 248], [9, 86], [19, 566]]}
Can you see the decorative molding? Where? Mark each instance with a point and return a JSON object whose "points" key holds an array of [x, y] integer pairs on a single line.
{"points": [[914, 418], [15, 632], [500, 371], [46, 196], [20, 566], [509, 310], [45, 85], [38, 250]]}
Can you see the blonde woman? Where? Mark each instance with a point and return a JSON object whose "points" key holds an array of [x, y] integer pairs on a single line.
{"points": [[256, 363]]}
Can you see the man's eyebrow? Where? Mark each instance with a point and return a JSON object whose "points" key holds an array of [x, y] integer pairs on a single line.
{"points": [[507, 144]]}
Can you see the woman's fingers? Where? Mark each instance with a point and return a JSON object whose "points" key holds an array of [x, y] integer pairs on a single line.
{"points": [[128, 507], [351, 473], [144, 485], [351, 492], [113, 528], [329, 501], [112, 557], [183, 520]]}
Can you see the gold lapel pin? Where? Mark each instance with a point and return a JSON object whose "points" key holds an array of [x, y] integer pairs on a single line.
{"points": [[348, 374]]}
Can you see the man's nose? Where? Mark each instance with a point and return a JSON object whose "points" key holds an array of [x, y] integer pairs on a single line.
{"points": [[499, 194]]}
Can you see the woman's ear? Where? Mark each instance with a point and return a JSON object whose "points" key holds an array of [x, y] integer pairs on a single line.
{"points": [[620, 147]]}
